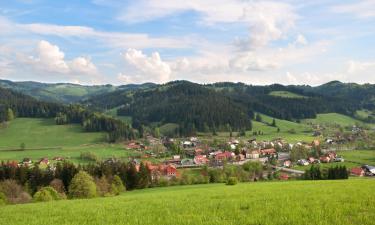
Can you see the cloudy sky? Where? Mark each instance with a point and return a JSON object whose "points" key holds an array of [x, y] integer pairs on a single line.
{"points": [[128, 41]]}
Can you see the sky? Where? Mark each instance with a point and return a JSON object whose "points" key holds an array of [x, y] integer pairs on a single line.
{"points": [[126, 41]]}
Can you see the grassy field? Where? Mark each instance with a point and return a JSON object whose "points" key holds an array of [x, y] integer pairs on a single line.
{"points": [[44, 133], [334, 119], [295, 202], [41, 133], [302, 132], [286, 94]]}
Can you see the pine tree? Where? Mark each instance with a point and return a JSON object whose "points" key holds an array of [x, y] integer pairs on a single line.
{"points": [[10, 115]]}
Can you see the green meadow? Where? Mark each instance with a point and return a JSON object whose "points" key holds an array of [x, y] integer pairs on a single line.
{"points": [[286, 94], [67, 141], [334, 119], [294, 202]]}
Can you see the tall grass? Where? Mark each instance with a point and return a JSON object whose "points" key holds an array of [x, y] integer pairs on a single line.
{"points": [[299, 202]]}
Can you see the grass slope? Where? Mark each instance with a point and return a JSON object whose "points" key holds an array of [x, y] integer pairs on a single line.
{"points": [[286, 94], [298, 202], [302, 131], [334, 119], [44, 133]]}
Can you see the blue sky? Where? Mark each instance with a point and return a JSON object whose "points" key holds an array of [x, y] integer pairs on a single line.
{"points": [[255, 42]]}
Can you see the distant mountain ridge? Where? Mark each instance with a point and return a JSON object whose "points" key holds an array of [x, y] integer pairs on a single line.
{"points": [[64, 92]]}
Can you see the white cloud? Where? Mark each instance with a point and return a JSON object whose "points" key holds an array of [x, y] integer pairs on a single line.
{"points": [[49, 58], [145, 68], [266, 20], [361, 9], [83, 65], [358, 66]]}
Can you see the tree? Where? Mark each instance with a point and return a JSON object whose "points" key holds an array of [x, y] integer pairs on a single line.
{"points": [[46, 194], [258, 118], [117, 186], [144, 176], [22, 146], [10, 115], [157, 132], [82, 186], [273, 122], [102, 186]]}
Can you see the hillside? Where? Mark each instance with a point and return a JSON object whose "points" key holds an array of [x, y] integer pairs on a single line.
{"points": [[64, 92], [192, 106], [298, 202], [45, 133]]}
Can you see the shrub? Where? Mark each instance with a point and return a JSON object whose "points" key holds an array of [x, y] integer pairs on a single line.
{"points": [[58, 185], [46, 194], [117, 186], [82, 186], [232, 181], [90, 156], [14, 192], [102, 186]]}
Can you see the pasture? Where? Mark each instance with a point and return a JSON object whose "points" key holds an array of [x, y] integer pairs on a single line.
{"points": [[295, 202]]}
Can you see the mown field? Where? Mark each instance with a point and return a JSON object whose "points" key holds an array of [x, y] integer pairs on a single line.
{"points": [[286, 94], [295, 202], [334, 119], [67, 141]]}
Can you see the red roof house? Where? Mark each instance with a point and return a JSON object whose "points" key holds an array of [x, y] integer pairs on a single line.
{"points": [[357, 171]]}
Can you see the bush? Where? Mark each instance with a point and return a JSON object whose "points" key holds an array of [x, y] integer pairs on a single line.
{"points": [[102, 186], [90, 156], [232, 181], [14, 192], [82, 186], [46, 194], [58, 185], [117, 186]]}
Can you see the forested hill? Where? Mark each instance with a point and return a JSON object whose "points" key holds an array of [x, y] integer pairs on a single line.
{"points": [[65, 92], [25, 106], [192, 106], [182, 101]]}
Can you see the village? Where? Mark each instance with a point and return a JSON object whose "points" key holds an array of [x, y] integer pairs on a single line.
{"points": [[174, 155]]}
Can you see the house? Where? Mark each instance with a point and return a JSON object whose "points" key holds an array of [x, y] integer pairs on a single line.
{"points": [[176, 157], [284, 176], [287, 163], [240, 157], [133, 145], [332, 155], [325, 159], [311, 160], [252, 154], [357, 171], [170, 170], [268, 152], [200, 160], [224, 156], [198, 151], [303, 162]]}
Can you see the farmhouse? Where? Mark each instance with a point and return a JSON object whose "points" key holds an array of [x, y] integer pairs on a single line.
{"points": [[357, 171], [254, 154], [200, 160], [268, 152]]}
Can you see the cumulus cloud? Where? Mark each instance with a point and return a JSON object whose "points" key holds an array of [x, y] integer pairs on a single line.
{"points": [[49, 60], [145, 68]]}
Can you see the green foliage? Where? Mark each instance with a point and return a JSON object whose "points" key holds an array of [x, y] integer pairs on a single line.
{"points": [[90, 156], [46, 194], [82, 186], [10, 115], [117, 187], [232, 181]]}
